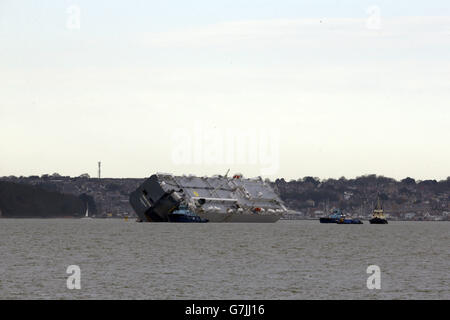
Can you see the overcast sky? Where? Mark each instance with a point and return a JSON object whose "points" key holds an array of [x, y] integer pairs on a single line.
{"points": [[319, 88]]}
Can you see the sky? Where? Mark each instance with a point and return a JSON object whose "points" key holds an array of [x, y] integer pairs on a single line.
{"points": [[279, 89]]}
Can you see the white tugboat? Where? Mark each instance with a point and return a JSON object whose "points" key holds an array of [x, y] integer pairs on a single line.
{"points": [[378, 214]]}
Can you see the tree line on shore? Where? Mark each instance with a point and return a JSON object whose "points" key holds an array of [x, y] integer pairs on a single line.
{"points": [[25, 201]]}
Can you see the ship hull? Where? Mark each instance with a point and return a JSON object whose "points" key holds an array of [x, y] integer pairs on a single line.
{"points": [[350, 221], [378, 221], [239, 217], [328, 220], [185, 218]]}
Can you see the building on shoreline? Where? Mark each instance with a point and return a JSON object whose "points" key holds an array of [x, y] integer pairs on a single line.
{"points": [[306, 198]]}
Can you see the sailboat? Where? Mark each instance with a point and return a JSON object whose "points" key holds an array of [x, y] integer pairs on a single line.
{"points": [[378, 214], [87, 213]]}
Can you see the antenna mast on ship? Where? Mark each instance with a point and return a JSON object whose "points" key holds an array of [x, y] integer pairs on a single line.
{"points": [[378, 211]]}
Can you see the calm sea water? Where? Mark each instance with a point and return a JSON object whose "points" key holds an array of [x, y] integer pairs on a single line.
{"points": [[283, 260]]}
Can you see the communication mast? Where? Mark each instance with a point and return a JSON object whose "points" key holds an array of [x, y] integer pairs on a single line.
{"points": [[99, 169]]}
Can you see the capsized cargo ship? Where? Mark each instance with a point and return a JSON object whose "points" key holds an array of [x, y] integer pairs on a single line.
{"points": [[217, 198]]}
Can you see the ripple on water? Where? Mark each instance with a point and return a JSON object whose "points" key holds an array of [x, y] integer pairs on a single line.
{"points": [[284, 260]]}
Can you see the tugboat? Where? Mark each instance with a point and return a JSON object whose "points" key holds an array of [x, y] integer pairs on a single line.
{"points": [[183, 214], [332, 218], [339, 217], [378, 214]]}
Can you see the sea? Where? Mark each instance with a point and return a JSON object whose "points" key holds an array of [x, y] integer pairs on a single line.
{"points": [[289, 259]]}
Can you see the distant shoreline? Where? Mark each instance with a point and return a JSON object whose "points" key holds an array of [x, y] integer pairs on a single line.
{"points": [[131, 219]]}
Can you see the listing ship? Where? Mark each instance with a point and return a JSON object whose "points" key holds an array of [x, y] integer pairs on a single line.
{"points": [[215, 199], [378, 214]]}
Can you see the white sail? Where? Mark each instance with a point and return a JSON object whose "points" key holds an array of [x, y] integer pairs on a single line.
{"points": [[86, 216]]}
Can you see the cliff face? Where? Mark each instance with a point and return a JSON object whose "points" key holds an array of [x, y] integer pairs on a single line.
{"points": [[105, 197], [25, 201]]}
